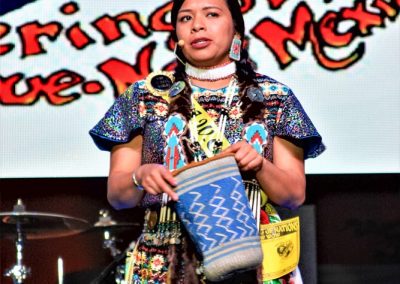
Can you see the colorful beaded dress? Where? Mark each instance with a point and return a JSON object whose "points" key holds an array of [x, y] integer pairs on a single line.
{"points": [[139, 112]]}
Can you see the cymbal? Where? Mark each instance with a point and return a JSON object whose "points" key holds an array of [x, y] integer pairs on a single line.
{"points": [[40, 225], [113, 226]]}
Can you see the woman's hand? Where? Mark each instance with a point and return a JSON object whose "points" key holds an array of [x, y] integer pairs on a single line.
{"points": [[126, 160], [283, 180], [246, 156], [156, 179]]}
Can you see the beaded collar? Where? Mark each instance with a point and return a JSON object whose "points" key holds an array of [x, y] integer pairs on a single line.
{"points": [[216, 73]]}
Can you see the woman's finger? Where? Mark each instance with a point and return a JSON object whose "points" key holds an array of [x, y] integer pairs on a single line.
{"points": [[150, 185], [169, 178], [233, 148], [165, 186], [253, 165], [245, 154]]}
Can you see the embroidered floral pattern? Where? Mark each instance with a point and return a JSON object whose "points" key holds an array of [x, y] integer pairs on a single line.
{"points": [[235, 113], [157, 262], [149, 266], [161, 109]]}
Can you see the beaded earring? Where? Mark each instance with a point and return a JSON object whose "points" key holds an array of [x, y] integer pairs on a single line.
{"points": [[234, 52]]}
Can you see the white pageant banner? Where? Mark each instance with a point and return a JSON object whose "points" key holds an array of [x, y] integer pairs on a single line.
{"points": [[63, 63]]}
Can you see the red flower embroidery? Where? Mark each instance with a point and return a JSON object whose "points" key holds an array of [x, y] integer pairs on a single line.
{"points": [[235, 113], [161, 109]]}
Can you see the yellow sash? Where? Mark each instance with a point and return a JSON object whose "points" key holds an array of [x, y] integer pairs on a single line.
{"points": [[207, 130]]}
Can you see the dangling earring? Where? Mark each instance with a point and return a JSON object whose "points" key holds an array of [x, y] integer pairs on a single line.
{"points": [[234, 52], [181, 43]]}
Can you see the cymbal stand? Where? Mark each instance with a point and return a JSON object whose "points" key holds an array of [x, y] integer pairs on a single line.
{"points": [[19, 272], [109, 242]]}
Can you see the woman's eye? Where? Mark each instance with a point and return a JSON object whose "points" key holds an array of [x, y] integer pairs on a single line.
{"points": [[212, 15], [184, 18]]}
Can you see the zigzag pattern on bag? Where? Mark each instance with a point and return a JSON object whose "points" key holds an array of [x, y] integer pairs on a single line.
{"points": [[226, 218], [215, 211]]}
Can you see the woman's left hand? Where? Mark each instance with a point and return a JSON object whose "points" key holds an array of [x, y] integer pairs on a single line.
{"points": [[247, 158]]}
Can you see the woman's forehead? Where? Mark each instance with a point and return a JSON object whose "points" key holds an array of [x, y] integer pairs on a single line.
{"points": [[196, 4]]}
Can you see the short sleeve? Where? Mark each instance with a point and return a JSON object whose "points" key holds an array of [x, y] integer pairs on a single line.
{"points": [[294, 125], [121, 122]]}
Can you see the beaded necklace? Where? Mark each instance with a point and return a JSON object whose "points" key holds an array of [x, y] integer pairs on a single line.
{"points": [[217, 142], [211, 74]]}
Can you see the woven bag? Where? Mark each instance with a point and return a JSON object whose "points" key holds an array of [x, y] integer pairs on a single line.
{"points": [[215, 211]]}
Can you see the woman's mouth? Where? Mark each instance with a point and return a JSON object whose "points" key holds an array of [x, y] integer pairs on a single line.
{"points": [[200, 43]]}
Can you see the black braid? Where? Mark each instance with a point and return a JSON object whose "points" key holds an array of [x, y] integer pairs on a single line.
{"points": [[247, 78], [181, 103]]}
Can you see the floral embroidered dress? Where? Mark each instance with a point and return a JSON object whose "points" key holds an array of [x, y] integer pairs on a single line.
{"points": [[139, 112]]}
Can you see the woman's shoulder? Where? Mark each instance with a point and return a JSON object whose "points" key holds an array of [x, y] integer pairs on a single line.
{"points": [[272, 87], [156, 83]]}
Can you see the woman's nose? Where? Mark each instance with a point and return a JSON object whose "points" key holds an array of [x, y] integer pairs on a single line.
{"points": [[198, 25]]}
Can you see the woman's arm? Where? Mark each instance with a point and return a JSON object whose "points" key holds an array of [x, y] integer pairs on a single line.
{"points": [[126, 160], [283, 180]]}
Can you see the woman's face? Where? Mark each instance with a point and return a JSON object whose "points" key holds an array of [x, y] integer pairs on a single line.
{"points": [[207, 29]]}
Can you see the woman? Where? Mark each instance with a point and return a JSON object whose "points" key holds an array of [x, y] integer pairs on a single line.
{"points": [[215, 72]]}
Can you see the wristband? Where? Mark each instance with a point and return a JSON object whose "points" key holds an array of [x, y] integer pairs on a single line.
{"points": [[135, 182]]}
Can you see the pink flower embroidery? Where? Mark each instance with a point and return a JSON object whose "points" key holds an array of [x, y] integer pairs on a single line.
{"points": [[161, 109], [157, 262], [235, 113]]}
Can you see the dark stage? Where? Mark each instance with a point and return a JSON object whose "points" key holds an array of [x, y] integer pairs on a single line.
{"points": [[350, 228]]}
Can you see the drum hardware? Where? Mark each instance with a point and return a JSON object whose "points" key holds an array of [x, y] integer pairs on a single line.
{"points": [[60, 270], [19, 272], [25, 225], [109, 227]]}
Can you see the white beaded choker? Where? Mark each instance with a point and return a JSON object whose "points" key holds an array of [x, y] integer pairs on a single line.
{"points": [[211, 74]]}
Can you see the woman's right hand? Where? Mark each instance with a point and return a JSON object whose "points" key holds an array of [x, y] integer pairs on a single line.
{"points": [[155, 179], [125, 160]]}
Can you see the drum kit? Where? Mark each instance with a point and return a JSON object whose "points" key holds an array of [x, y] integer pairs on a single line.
{"points": [[22, 225]]}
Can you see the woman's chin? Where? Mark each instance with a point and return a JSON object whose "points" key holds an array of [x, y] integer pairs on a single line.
{"points": [[205, 61]]}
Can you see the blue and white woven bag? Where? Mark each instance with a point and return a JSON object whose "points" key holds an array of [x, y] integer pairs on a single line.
{"points": [[215, 211]]}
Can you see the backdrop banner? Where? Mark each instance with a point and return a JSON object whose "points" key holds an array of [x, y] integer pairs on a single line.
{"points": [[63, 63]]}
